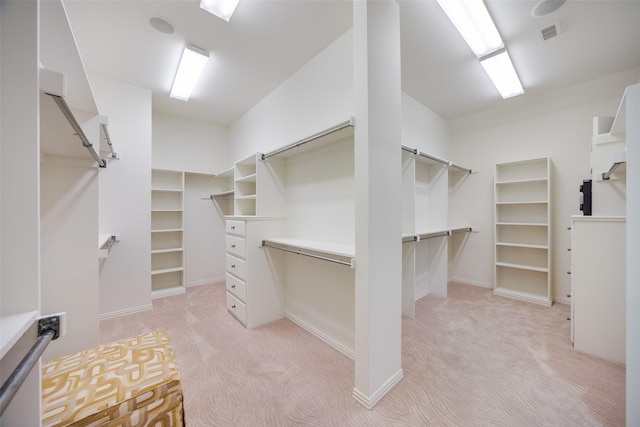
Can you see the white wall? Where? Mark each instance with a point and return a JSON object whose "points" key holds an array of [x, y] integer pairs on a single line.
{"points": [[125, 198], [558, 126], [189, 145], [318, 96], [69, 251], [204, 233], [423, 129]]}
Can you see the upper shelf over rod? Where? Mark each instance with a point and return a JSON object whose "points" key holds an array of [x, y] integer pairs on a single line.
{"points": [[330, 131], [59, 100]]}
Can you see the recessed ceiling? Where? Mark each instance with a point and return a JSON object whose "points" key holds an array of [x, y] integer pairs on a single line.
{"points": [[267, 41]]}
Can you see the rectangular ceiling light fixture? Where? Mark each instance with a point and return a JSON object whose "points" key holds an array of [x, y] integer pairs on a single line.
{"points": [[472, 20], [191, 66], [500, 69], [221, 8]]}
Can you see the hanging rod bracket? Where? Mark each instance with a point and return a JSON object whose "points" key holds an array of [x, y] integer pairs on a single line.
{"points": [[48, 324]]}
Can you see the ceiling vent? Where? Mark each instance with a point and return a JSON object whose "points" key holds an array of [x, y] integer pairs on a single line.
{"points": [[549, 32]]}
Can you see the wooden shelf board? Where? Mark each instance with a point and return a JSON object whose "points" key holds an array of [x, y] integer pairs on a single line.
{"points": [[166, 270], [522, 245], [166, 251], [523, 224], [522, 267], [12, 327]]}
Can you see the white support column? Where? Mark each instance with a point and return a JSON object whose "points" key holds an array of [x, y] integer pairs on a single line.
{"points": [[633, 249], [19, 198], [377, 93]]}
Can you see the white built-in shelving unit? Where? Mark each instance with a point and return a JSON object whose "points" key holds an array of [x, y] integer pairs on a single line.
{"points": [[523, 230], [425, 225], [295, 231], [167, 232]]}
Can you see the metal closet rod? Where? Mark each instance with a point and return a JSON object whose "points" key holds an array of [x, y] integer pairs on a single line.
{"points": [[336, 128], [48, 330], [436, 159], [62, 104], [443, 233], [108, 138], [297, 252], [606, 175]]}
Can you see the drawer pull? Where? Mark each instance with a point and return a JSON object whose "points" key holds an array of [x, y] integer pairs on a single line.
{"points": [[233, 246], [568, 272], [233, 266], [233, 306], [233, 227], [568, 228], [233, 286], [569, 249], [568, 295]]}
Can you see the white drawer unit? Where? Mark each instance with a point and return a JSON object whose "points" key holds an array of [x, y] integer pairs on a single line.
{"points": [[236, 246], [237, 287], [236, 266], [236, 227], [237, 308], [254, 296]]}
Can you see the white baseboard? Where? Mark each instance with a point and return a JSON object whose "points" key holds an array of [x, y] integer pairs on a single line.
{"points": [[124, 312], [421, 294], [370, 401], [471, 282], [321, 335], [201, 282], [562, 300], [178, 290]]}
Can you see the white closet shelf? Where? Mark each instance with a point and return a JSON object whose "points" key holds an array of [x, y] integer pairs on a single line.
{"points": [[12, 327], [247, 197], [522, 245], [521, 181], [166, 210], [341, 254], [166, 251], [166, 270], [525, 202], [523, 267], [523, 224], [247, 178], [168, 190], [105, 242], [223, 194], [167, 230]]}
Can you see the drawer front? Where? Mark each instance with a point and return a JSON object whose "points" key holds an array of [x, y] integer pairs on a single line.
{"points": [[237, 287], [237, 246], [239, 228], [236, 266], [237, 308]]}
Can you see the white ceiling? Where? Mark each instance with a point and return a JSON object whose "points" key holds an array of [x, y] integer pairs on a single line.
{"points": [[267, 41]]}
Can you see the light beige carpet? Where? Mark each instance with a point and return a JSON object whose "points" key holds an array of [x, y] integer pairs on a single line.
{"points": [[471, 359]]}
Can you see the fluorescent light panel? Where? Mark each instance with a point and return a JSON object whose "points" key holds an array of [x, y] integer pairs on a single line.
{"points": [[191, 66], [221, 8], [502, 73], [472, 20]]}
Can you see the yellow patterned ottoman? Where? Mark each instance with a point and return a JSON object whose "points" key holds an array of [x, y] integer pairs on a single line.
{"points": [[132, 382]]}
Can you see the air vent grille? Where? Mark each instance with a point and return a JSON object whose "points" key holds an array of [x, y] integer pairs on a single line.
{"points": [[549, 32]]}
